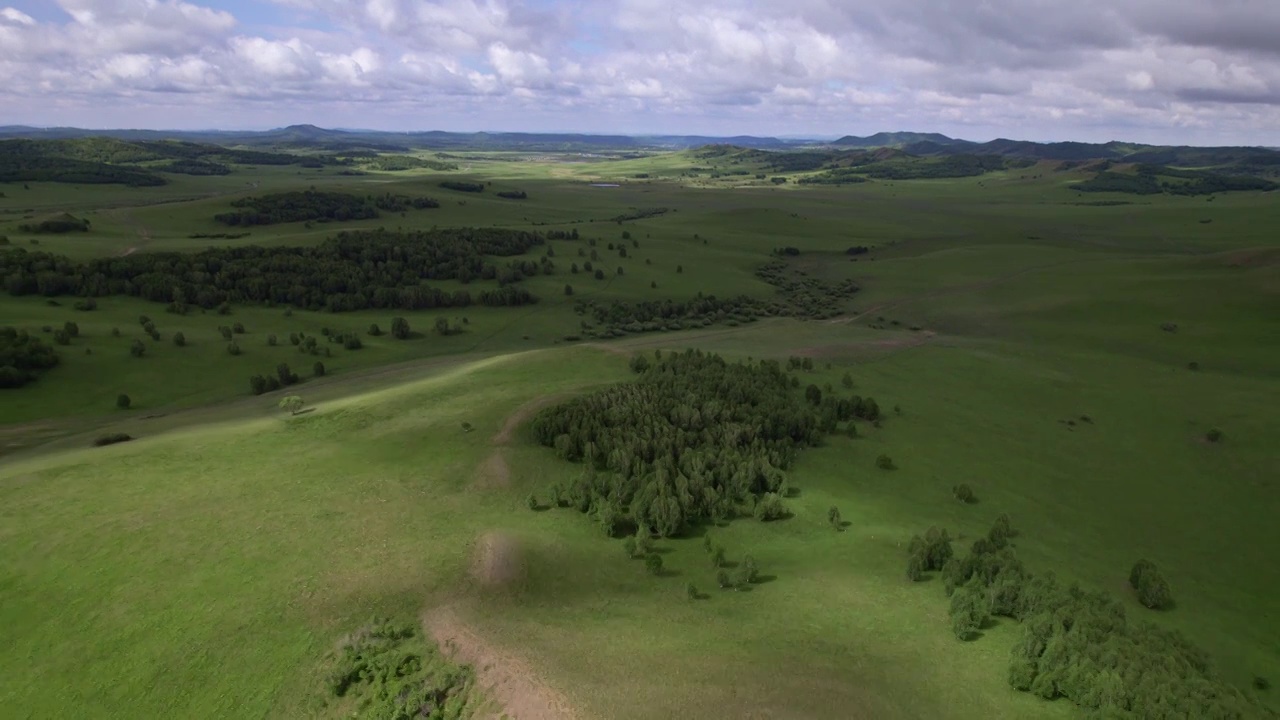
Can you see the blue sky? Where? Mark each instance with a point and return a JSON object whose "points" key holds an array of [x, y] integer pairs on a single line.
{"points": [[1197, 71]]}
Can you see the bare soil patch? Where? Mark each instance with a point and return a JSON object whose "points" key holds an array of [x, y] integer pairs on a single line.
{"points": [[497, 560], [493, 473], [507, 678]]}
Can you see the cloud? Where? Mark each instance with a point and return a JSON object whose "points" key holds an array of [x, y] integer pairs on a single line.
{"points": [[1092, 69]]}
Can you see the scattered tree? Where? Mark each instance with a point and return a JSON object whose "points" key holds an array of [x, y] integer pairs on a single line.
{"points": [[691, 591], [884, 462], [374, 330], [653, 563], [1214, 435], [179, 339], [968, 611], [629, 545], [1152, 589], [833, 518], [963, 493], [123, 402], [400, 328], [532, 501], [137, 349], [291, 404], [318, 369]]}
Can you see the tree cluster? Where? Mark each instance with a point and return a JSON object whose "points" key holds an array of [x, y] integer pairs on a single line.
{"points": [[513, 194], [1150, 585], [22, 357], [1078, 644], [461, 186], [694, 439], [352, 271], [309, 205], [63, 223]]}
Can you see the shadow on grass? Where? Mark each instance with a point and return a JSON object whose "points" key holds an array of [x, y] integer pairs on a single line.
{"points": [[303, 412], [764, 579]]}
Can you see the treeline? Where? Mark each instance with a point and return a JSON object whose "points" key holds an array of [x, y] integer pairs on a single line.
{"points": [[461, 186], [513, 194], [352, 271], [309, 205], [1146, 181], [22, 357], [838, 176], [194, 167], [618, 317], [21, 161], [63, 223], [695, 439], [1074, 643], [951, 166], [396, 163]]}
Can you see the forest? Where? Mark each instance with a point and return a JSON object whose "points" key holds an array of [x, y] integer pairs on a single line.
{"points": [[351, 271], [22, 357], [1074, 643], [308, 205], [1147, 182], [694, 439]]}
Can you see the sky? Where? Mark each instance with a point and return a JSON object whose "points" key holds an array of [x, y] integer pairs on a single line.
{"points": [[1197, 72]]}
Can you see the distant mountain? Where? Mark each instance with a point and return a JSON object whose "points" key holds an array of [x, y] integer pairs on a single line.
{"points": [[895, 139]]}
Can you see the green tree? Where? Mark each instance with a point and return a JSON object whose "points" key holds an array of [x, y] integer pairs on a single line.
{"points": [[71, 328], [568, 289], [532, 501], [291, 404], [1152, 589], [234, 348], [770, 507], [884, 462], [691, 591], [833, 517], [374, 330], [748, 572], [717, 556], [271, 340], [179, 339], [137, 349], [123, 402], [629, 545], [963, 493], [847, 381], [62, 337], [238, 328], [968, 611], [318, 369], [400, 328], [257, 384], [653, 563], [722, 579], [639, 363]]}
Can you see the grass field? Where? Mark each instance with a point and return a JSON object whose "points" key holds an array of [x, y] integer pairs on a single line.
{"points": [[203, 569]]}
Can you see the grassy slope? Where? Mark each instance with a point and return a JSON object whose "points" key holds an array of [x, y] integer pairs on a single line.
{"points": [[1044, 311]]}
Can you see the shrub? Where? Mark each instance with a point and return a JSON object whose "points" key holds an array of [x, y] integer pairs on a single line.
{"points": [[629, 546], [318, 369], [963, 493], [62, 337], [722, 579], [179, 339], [599, 274], [238, 328], [137, 349], [225, 332], [71, 328], [639, 363], [374, 330], [568, 289], [1193, 365], [1261, 683], [968, 611], [770, 507], [532, 501], [123, 402], [653, 563], [115, 332], [112, 439], [271, 340], [1169, 327], [691, 591], [833, 517], [234, 348], [352, 342], [884, 462], [1214, 435], [1153, 592], [257, 384]]}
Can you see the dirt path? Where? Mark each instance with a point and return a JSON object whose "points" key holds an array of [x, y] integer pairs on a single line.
{"points": [[493, 473], [507, 678], [522, 414]]}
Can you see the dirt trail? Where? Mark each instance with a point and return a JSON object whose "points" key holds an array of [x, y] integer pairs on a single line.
{"points": [[493, 473], [523, 413], [507, 678]]}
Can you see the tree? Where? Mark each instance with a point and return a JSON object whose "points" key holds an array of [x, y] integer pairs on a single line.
{"points": [[374, 330], [238, 328], [639, 363], [271, 340], [626, 235], [599, 274], [833, 517], [629, 545], [691, 591], [653, 563], [532, 501], [568, 289], [286, 375], [137, 349], [847, 381], [884, 462], [679, 269], [257, 384], [968, 611], [813, 395], [1153, 591], [717, 556], [1214, 435], [62, 337], [400, 328], [318, 369], [71, 328], [226, 332], [748, 572], [915, 567], [770, 507], [179, 339], [722, 579], [963, 493], [233, 348], [123, 402], [442, 326], [291, 403]]}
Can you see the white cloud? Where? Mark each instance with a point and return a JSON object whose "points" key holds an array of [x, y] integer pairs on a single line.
{"points": [[1145, 69]]}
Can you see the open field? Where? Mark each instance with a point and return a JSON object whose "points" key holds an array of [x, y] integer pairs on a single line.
{"points": [[203, 569]]}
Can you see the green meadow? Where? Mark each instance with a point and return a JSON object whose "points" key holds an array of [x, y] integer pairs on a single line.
{"points": [[205, 568]]}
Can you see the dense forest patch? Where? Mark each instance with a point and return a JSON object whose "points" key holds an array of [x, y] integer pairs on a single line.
{"points": [[315, 205], [396, 163], [1076, 644], [1146, 181], [694, 439], [63, 223], [22, 357], [352, 271]]}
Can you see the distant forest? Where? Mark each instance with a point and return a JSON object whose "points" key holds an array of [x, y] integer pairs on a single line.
{"points": [[352, 271], [319, 206]]}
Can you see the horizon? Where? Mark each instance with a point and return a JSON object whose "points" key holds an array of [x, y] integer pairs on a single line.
{"points": [[1197, 74]]}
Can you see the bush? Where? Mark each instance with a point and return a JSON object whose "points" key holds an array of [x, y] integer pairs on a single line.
{"points": [[179, 339], [1214, 435], [568, 289], [532, 501], [1261, 683], [86, 305], [884, 462], [717, 556], [123, 402], [318, 369], [770, 507], [374, 330], [833, 518], [352, 342], [653, 563], [62, 337], [968, 611], [233, 348], [1153, 592], [271, 340], [629, 546], [748, 572], [639, 363], [112, 439], [722, 579], [238, 328], [400, 328], [137, 349], [963, 493], [691, 591]]}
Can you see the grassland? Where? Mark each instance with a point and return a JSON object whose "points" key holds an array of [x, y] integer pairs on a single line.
{"points": [[202, 570]]}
